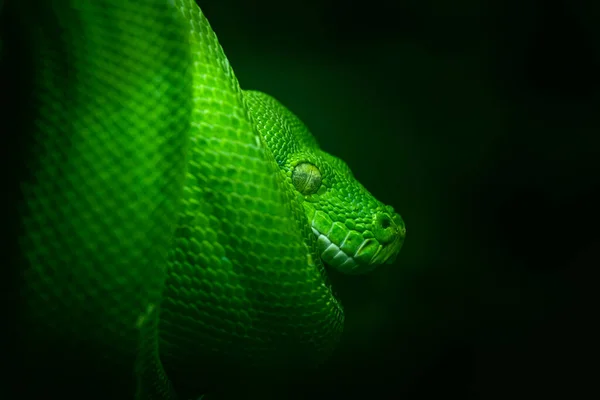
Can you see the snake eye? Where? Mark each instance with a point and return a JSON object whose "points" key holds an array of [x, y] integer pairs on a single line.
{"points": [[306, 178]]}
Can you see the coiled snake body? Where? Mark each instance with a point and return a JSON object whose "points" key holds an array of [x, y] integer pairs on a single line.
{"points": [[171, 221]]}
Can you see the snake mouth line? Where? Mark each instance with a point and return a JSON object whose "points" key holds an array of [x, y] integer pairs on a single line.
{"points": [[333, 255]]}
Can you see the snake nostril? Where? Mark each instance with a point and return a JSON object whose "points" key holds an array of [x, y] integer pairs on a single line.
{"points": [[385, 223]]}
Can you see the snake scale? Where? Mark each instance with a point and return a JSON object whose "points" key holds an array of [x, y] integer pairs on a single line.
{"points": [[173, 225]]}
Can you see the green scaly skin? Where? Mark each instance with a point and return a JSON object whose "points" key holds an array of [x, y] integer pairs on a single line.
{"points": [[174, 221]]}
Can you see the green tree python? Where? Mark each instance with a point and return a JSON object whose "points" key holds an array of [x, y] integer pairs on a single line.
{"points": [[172, 224]]}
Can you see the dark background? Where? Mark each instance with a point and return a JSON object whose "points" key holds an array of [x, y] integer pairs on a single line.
{"points": [[478, 121]]}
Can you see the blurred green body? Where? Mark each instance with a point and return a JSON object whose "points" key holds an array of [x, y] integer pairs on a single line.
{"points": [[174, 221]]}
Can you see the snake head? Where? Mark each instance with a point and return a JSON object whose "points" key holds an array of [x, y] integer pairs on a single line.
{"points": [[354, 231]]}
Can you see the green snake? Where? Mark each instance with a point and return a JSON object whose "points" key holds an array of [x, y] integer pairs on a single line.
{"points": [[173, 224]]}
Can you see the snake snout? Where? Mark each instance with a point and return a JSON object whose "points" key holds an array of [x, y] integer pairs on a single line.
{"points": [[351, 250], [388, 227], [390, 231]]}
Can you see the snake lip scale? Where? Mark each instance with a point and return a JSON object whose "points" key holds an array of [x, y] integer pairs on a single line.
{"points": [[341, 258], [333, 254]]}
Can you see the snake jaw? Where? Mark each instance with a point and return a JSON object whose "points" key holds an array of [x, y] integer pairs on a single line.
{"points": [[367, 257], [333, 255], [353, 252]]}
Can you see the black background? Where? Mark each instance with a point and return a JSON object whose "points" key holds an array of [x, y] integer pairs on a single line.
{"points": [[479, 121]]}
